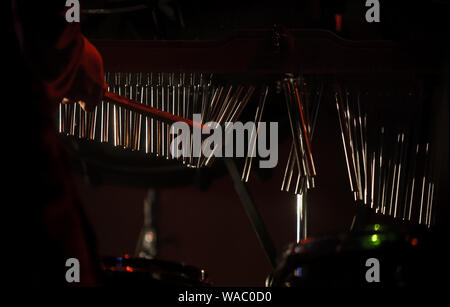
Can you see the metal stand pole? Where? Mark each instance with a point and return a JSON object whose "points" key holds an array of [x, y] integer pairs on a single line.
{"points": [[253, 214]]}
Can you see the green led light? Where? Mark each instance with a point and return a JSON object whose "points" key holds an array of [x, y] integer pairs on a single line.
{"points": [[375, 240], [376, 227]]}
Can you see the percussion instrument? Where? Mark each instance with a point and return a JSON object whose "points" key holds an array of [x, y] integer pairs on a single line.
{"points": [[388, 158]]}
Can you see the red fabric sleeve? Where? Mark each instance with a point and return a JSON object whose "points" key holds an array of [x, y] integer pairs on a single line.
{"points": [[57, 54]]}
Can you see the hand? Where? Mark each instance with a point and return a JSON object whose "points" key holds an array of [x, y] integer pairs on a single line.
{"points": [[88, 87]]}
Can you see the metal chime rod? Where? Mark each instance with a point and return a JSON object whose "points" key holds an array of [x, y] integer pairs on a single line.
{"points": [[397, 183], [290, 165], [138, 108], [300, 155], [295, 141], [254, 135], [343, 129], [152, 112], [311, 168], [231, 117]]}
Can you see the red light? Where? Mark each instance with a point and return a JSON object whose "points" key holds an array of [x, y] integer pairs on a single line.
{"points": [[305, 241], [338, 20]]}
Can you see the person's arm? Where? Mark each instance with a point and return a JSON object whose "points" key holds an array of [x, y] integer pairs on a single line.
{"points": [[64, 62]]}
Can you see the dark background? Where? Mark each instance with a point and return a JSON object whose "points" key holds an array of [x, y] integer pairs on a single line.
{"points": [[207, 227]]}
